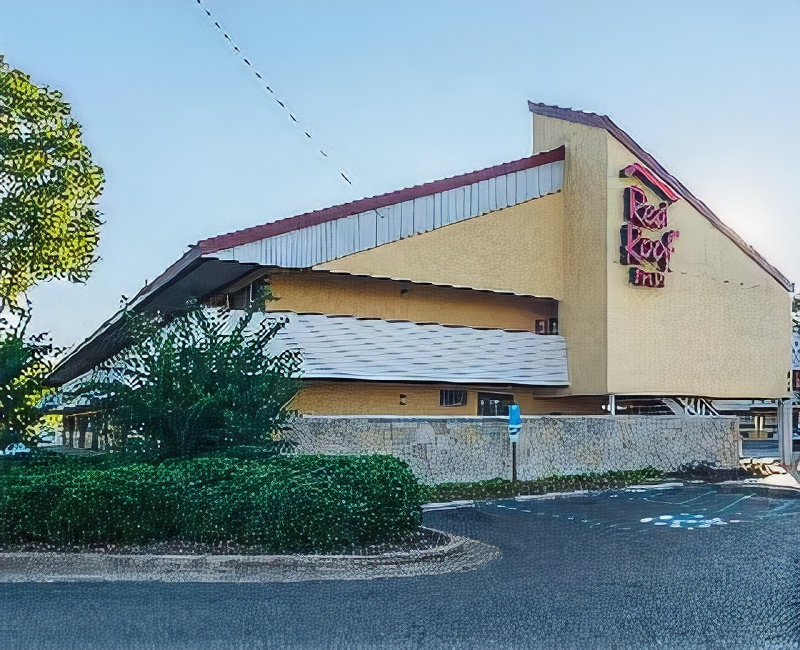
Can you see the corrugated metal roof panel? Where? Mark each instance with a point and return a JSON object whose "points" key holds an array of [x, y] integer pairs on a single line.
{"points": [[240, 237], [315, 244]]}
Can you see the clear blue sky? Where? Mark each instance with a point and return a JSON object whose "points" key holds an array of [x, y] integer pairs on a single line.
{"points": [[401, 93]]}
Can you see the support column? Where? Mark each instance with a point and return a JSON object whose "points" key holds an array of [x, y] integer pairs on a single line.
{"points": [[69, 430], [83, 422], [785, 431], [96, 428]]}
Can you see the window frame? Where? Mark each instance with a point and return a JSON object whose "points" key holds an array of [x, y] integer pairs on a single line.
{"points": [[445, 403], [486, 396]]}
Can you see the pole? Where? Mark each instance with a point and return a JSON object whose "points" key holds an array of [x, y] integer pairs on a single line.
{"points": [[514, 427], [785, 431], [514, 462]]}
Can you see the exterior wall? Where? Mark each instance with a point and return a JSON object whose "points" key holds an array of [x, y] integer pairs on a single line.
{"points": [[443, 450], [329, 293], [321, 236], [721, 326], [516, 249], [364, 398], [582, 312]]}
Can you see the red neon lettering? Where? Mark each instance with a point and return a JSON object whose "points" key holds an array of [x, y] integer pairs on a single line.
{"points": [[636, 249], [640, 278], [640, 213], [641, 173], [641, 244]]}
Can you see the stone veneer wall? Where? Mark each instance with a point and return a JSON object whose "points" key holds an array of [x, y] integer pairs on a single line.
{"points": [[473, 449]]}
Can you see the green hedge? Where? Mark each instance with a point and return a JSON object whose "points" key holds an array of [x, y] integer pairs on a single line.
{"points": [[283, 504], [498, 488]]}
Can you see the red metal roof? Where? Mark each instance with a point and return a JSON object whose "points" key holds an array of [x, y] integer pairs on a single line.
{"points": [[248, 235], [604, 122]]}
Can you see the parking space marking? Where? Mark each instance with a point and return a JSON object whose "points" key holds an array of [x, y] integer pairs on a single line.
{"points": [[730, 505]]}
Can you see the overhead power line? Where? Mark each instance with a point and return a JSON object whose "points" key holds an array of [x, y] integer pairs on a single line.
{"points": [[268, 87]]}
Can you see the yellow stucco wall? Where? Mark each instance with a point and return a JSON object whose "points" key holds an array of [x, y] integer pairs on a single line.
{"points": [[582, 311], [719, 328], [517, 249], [364, 398], [336, 293]]}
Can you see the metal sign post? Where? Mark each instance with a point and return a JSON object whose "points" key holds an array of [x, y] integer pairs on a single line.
{"points": [[514, 426]]}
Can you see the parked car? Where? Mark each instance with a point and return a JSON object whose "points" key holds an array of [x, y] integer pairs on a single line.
{"points": [[16, 449]]}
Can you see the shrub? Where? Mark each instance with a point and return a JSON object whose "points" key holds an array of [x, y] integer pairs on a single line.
{"points": [[24, 363], [264, 450], [499, 488], [76, 504], [195, 381], [283, 504]]}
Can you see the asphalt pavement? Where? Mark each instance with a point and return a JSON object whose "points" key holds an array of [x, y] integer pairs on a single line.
{"points": [[680, 567]]}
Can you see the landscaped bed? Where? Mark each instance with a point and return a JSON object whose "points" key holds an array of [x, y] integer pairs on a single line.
{"points": [[499, 488], [274, 504], [241, 502], [421, 539]]}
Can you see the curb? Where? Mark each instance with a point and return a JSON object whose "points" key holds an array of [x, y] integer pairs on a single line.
{"points": [[448, 505], [772, 490], [457, 555]]}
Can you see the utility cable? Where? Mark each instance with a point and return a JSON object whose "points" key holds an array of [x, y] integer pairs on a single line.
{"points": [[268, 87]]}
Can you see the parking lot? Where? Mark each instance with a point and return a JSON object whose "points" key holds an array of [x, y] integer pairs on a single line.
{"points": [[684, 566]]}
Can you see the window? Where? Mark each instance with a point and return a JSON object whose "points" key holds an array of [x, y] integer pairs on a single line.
{"points": [[452, 398], [494, 403], [547, 326], [239, 298]]}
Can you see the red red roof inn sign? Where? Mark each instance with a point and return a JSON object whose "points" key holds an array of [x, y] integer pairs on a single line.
{"points": [[645, 243]]}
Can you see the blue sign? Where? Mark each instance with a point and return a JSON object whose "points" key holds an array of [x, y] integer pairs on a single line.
{"points": [[514, 422]]}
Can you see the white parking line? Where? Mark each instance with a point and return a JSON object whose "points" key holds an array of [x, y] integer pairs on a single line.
{"points": [[730, 505]]}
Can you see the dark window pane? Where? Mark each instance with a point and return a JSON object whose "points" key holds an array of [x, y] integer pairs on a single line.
{"points": [[452, 398], [494, 403]]}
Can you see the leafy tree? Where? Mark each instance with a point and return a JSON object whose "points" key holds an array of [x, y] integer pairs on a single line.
{"points": [[203, 380], [24, 362], [48, 186]]}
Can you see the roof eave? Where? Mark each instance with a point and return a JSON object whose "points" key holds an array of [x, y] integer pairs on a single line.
{"points": [[147, 291]]}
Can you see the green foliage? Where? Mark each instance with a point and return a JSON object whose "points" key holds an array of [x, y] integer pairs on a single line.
{"points": [[204, 380], [71, 505], [280, 504], [48, 186], [306, 503], [498, 488], [262, 451], [24, 362]]}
